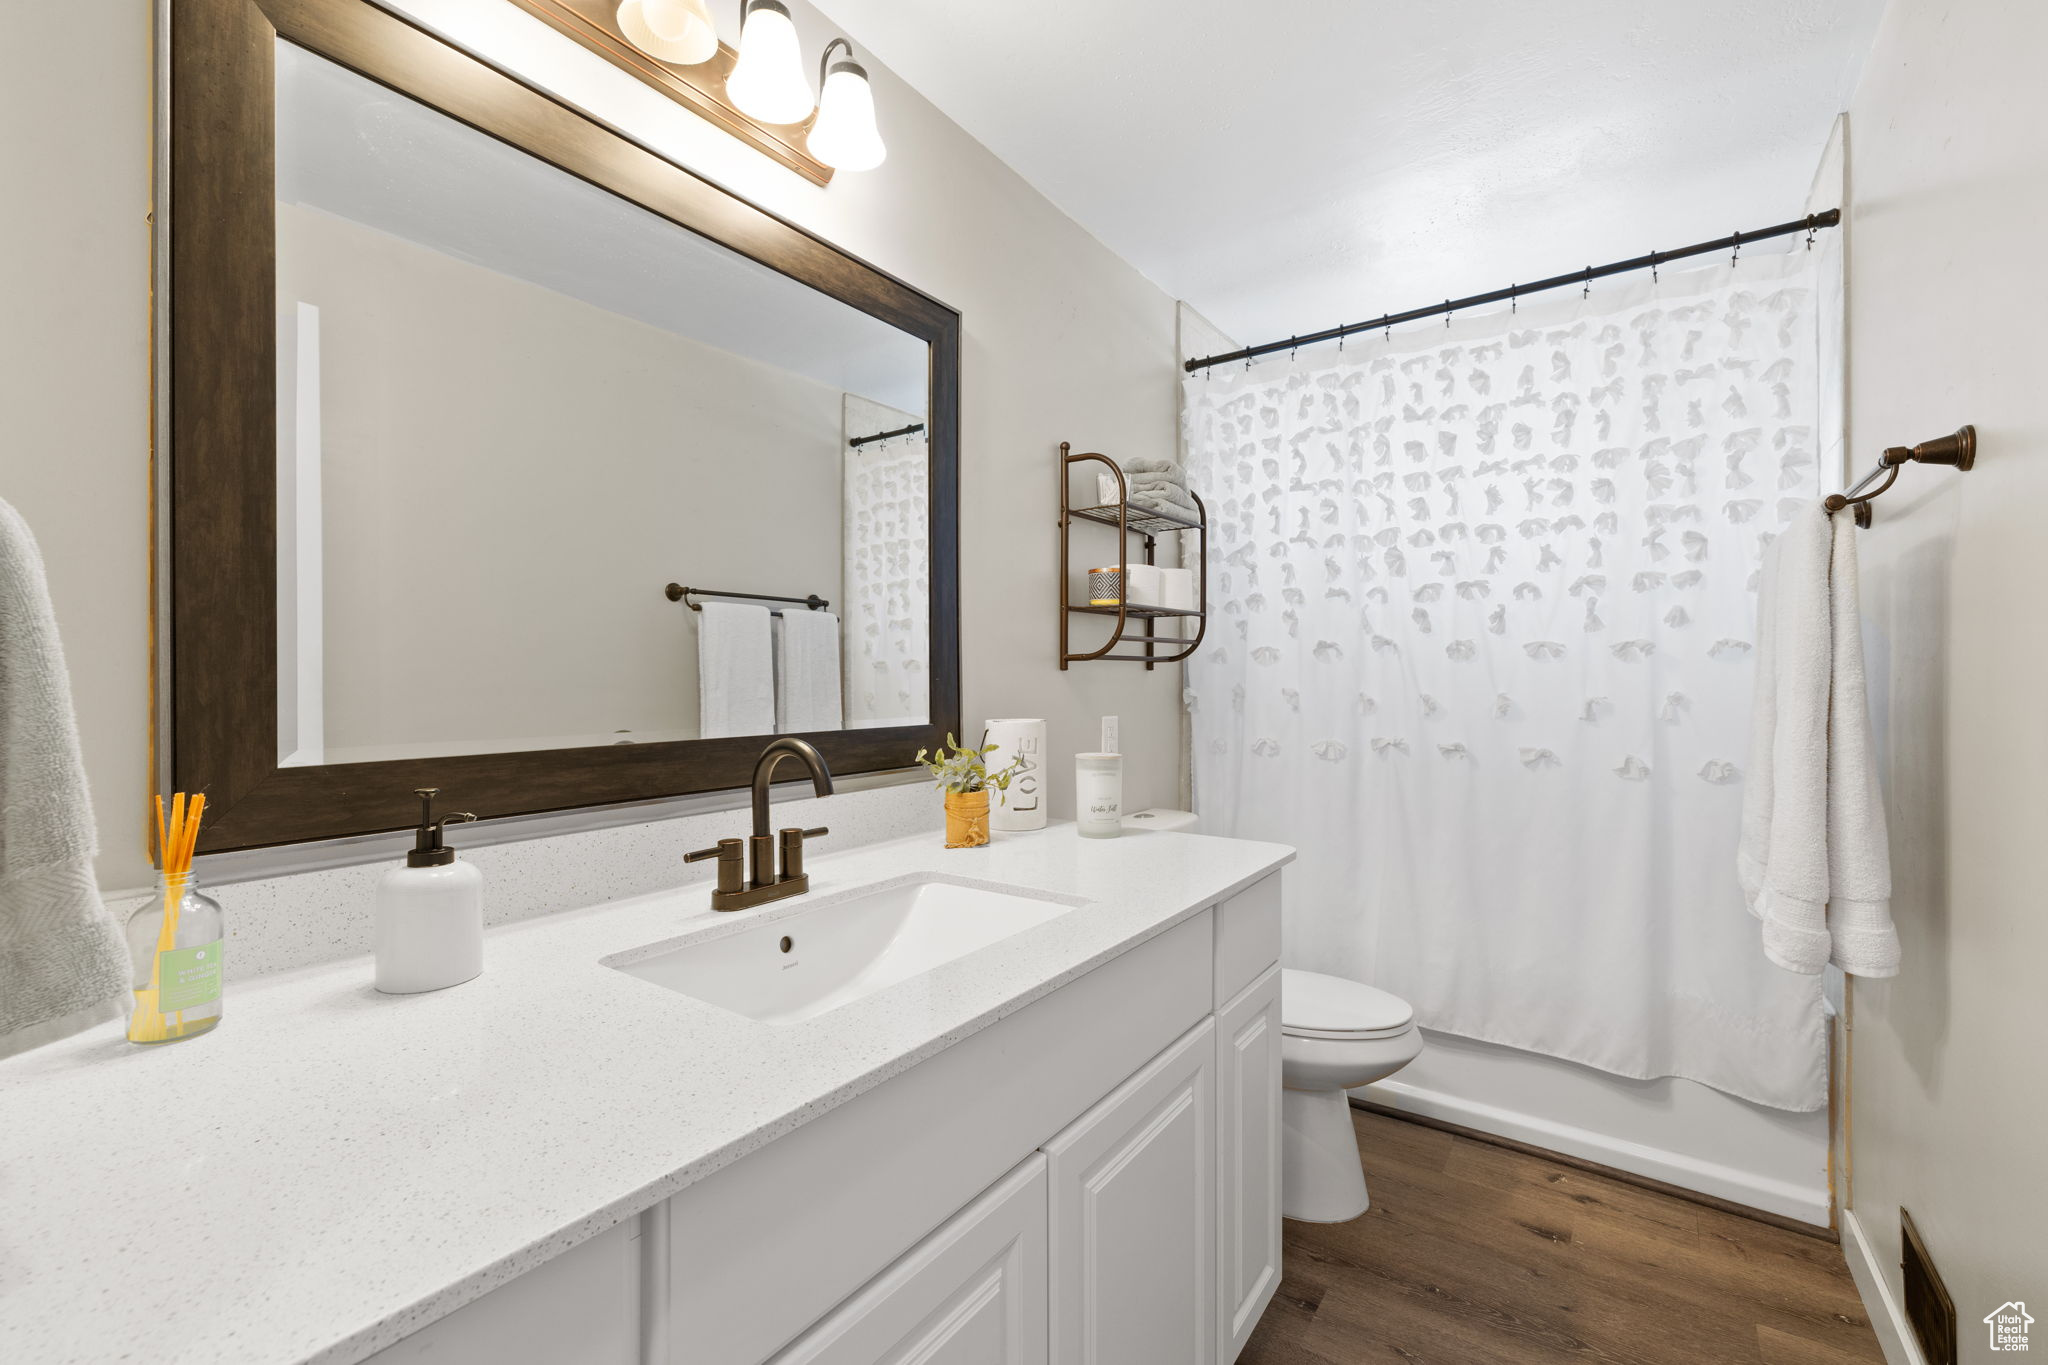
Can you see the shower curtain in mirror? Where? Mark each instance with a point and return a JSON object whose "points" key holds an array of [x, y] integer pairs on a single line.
{"points": [[887, 622], [1485, 603]]}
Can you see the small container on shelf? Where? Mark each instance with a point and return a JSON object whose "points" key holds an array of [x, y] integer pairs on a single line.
{"points": [[1180, 591], [1105, 587], [1144, 587]]}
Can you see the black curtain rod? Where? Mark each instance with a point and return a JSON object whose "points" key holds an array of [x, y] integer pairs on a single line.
{"points": [[1811, 223], [911, 430]]}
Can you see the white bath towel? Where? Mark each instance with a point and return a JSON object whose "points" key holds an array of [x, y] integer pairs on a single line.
{"points": [[1813, 859], [806, 672], [63, 966], [1148, 465], [735, 671]]}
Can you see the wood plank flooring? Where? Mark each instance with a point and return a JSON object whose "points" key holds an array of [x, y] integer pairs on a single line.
{"points": [[1476, 1255]]}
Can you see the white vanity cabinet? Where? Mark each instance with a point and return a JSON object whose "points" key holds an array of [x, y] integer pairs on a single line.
{"points": [[1092, 1178], [973, 1293], [1247, 1159], [1134, 1217]]}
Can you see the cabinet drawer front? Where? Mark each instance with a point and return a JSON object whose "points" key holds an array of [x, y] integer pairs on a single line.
{"points": [[1247, 1160], [973, 1293], [1247, 936], [1133, 1209]]}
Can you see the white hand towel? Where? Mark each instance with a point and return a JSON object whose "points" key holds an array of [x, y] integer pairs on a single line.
{"points": [[1862, 939], [806, 672], [63, 966], [735, 671], [1812, 823]]}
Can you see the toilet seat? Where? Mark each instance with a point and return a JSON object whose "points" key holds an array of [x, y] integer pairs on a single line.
{"points": [[1313, 1005]]}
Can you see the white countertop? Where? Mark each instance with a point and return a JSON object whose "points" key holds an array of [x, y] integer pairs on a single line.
{"points": [[331, 1169]]}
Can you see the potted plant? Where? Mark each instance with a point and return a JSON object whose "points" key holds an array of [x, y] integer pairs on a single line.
{"points": [[964, 776]]}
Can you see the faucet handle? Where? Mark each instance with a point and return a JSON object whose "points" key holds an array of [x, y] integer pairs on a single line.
{"points": [[731, 865], [792, 841]]}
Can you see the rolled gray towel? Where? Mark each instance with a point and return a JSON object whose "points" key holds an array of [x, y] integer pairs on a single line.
{"points": [[1145, 465], [1168, 499]]}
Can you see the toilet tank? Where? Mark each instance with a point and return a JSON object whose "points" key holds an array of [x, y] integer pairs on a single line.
{"points": [[1156, 819]]}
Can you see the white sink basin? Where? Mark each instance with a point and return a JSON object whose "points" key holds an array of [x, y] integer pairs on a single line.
{"points": [[844, 948]]}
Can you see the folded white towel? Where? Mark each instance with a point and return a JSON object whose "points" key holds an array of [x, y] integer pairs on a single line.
{"points": [[735, 671], [63, 966], [1148, 464], [806, 672], [1813, 828], [1167, 498]]}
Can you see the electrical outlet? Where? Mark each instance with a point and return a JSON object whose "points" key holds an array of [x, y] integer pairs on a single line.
{"points": [[1109, 735], [1928, 1305]]}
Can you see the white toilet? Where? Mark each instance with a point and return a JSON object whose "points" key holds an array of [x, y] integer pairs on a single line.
{"points": [[1335, 1034]]}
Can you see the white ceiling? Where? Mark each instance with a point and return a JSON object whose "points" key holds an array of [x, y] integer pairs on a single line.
{"points": [[1294, 164]]}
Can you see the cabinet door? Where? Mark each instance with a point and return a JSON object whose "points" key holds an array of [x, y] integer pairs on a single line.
{"points": [[1133, 1187], [581, 1308], [1247, 1160], [972, 1293]]}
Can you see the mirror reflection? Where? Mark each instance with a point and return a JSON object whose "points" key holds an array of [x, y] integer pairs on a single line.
{"points": [[515, 408]]}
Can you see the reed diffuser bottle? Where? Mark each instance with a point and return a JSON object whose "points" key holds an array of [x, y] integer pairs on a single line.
{"points": [[174, 941]]}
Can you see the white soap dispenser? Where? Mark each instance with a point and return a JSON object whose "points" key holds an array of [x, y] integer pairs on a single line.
{"points": [[430, 913]]}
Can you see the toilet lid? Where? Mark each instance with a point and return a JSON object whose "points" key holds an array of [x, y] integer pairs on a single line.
{"points": [[1316, 1006]]}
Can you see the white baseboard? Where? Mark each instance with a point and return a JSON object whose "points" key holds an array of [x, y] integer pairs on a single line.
{"points": [[1894, 1334], [1808, 1204]]}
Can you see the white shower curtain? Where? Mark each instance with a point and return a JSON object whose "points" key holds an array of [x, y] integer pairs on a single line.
{"points": [[1485, 597], [888, 613]]}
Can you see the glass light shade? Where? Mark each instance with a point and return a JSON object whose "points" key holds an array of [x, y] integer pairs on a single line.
{"points": [[676, 31], [844, 137], [767, 82]]}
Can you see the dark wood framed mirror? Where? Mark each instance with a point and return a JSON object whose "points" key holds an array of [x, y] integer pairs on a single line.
{"points": [[295, 125]]}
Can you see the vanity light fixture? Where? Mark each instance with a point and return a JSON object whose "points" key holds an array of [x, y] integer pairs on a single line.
{"points": [[678, 31], [760, 91], [767, 82], [844, 137]]}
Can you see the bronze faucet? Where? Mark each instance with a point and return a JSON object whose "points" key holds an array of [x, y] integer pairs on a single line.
{"points": [[751, 878]]}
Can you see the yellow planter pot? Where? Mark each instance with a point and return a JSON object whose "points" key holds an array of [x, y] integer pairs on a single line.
{"points": [[966, 819]]}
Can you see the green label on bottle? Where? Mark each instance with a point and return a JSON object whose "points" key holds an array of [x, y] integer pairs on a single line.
{"points": [[188, 978]]}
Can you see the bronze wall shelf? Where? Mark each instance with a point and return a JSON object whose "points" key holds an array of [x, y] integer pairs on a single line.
{"points": [[676, 592], [1130, 520], [1958, 451]]}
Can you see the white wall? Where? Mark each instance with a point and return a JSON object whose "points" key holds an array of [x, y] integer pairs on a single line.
{"points": [[1062, 340], [510, 477], [74, 368], [1948, 178]]}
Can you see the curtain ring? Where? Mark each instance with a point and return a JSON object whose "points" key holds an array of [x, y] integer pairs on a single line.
{"points": [[1513, 302], [1587, 291], [1653, 267], [1735, 255], [1447, 315]]}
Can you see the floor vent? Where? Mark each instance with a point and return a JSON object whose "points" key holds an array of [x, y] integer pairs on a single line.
{"points": [[1928, 1306]]}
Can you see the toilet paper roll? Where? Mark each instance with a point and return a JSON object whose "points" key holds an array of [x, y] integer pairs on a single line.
{"points": [[1145, 585], [1179, 590]]}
